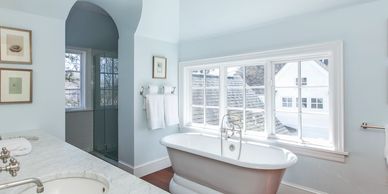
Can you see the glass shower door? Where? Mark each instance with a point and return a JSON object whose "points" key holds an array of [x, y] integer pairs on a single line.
{"points": [[106, 106]]}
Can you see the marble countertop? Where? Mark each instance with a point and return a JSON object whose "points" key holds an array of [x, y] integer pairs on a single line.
{"points": [[52, 158]]}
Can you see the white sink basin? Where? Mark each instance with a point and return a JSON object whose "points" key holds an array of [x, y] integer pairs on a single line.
{"points": [[70, 186]]}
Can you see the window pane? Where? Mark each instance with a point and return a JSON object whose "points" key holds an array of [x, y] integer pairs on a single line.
{"points": [[254, 121], [255, 98], [254, 75], [235, 98], [212, 97], [284, 99], [72, 80], [212, 116], [116, 81], [285, 74], [197, 97], [115, 66], [72, 62], [212, 77], [286, 123], [237, 116], [315, 126], [115, 97], [315, 72], [108, 79], [197, 78], [197, 115], [235, 76], [72, 98]]}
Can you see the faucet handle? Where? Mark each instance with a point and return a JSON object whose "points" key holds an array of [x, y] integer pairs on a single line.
{"points": [[13, 167], [5, 155]]}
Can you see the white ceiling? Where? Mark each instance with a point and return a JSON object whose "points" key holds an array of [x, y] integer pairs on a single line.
{"points": [[202, 18]]}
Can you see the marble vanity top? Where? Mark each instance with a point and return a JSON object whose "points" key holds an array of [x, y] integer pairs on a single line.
{"points": [[52, 158]]}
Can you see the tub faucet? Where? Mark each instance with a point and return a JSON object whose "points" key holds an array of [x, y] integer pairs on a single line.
{"points": [[37, 182], [233, 127]]}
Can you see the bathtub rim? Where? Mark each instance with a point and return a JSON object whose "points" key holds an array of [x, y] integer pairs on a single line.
{"points": [[280, 165]]}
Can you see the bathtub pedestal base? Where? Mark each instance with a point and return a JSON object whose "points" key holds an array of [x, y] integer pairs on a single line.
{"points": [[180, 185]]}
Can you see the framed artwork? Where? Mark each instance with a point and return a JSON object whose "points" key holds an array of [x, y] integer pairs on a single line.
{"points": [[159, 68], [15, 86], [15, 46]]}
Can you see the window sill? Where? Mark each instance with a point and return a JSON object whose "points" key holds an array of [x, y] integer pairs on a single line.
{"points": [[297, 148], [71, 110]]}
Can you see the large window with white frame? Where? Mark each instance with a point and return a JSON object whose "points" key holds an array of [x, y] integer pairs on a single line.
{"points": [[265, 91], [74, 79]]}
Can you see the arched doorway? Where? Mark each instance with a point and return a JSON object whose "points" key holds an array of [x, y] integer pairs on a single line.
{"points": [[91, 81]]}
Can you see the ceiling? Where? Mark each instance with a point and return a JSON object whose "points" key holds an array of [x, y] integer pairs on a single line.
{"points": [[202, 18]]}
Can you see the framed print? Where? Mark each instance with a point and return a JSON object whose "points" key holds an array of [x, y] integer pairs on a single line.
{"points": [[159, 68], [15, 86], [15, 46]]}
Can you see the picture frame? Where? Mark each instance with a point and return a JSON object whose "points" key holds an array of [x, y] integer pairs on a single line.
{"points": [[15, 46], [159, 68], [15, 86]]}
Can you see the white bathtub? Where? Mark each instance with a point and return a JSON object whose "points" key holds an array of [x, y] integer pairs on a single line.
{"points": [[200, 168]]}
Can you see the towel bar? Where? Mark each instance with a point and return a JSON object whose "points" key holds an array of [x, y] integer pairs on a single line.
{"points": [[365, 125]]}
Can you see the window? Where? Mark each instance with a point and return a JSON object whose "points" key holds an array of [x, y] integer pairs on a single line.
{"points": [[242, 85], [316, 103], [287, 102], [108, 81], [74, 65]]}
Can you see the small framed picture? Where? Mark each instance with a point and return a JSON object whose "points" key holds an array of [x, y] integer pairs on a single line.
{"points": [[15, 46], [159, 69], [15, 86]]}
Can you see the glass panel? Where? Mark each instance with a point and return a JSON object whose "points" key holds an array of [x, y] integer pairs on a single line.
{"points": [[197, 115], [115, 66], [212, 97], [213, 78], [286, 123], [315, 73], [72, 98], [115, 97], [102, 81], [197, 78], [108, 78], [116, 81], [102, 97], [197, 97], [212, 116], [102, 64], [72, 62], [285, 99], [108, 97], [109, 65], [235, 76], [254, 75], [316, 126], [237, 116], [72, 80], [235, 98], [254, 98], [254, 121], [286, 74]]}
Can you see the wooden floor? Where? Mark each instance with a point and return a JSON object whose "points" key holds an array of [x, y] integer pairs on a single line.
{"points": [[161, 178]]}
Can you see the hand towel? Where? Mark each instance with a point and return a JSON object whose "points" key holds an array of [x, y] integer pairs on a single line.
{"points": [[153, 89], [155, 111], [386, 145], [17, 146], [171, 109], [167, 89]]}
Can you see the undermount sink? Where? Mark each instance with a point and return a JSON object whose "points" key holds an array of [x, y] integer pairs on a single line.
{"points": [[70, 186]]}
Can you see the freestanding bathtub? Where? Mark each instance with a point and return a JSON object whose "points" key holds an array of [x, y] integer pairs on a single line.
{"points": [[200, 168]]}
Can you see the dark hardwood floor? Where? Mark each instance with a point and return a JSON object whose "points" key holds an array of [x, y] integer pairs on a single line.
{"points": [[161, 178]]}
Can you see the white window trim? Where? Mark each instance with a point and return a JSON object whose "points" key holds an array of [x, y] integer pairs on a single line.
{"points": [[83, 54], [334, 49]]}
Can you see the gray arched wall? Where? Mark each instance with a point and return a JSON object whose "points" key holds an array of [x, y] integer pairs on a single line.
{"points": [[46, 19]]}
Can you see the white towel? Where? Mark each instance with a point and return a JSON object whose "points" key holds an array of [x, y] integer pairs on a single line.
{"points": [[386, 144], [167, 89], [155, 111], [153, 89], [171, 109], [17, 146]]}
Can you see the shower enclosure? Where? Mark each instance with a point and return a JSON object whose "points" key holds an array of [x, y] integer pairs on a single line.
{"points": [[106, 105]]}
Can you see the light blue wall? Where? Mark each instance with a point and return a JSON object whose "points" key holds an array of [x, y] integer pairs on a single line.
{"points": [[46, 112], [363, 28], [147, 142], [88, 29]]}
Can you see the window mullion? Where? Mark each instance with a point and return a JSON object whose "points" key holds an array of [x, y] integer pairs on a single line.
{"points": [[204, 98], [300, 131], [223, 94], [244, 100]]}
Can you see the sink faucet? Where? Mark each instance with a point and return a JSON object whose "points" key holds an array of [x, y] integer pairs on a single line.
{"points": [[37, 182], [13, 167], [5, 155]]}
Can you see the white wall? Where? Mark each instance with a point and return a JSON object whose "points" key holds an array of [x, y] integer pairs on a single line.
{"points": [[48, 46], [363, 28]]}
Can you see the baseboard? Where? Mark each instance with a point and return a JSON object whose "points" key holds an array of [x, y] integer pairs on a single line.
{"points": [[290, 188], [147, 168]]}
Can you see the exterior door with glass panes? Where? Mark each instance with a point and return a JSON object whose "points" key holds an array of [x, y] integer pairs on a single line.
{"points": [[105, 105]]}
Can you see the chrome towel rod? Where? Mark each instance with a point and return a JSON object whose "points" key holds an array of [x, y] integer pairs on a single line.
{"points": [[365, 125]]}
